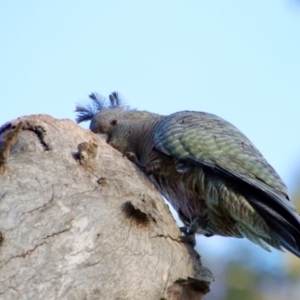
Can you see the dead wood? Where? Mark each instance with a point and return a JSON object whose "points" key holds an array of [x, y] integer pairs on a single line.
{"points": [[80, 221]]}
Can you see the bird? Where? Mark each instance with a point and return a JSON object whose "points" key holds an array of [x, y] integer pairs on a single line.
{"points": [[208, 170]]}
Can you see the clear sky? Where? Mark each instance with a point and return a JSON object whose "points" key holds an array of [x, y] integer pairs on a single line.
{"points": [[237, 59]]}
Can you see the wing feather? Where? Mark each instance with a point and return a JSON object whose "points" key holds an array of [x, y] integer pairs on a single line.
{"points": [[211, 141], [206, 140]]}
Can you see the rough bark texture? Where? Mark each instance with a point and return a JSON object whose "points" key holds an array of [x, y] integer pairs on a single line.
{"points": [[79, 221]]}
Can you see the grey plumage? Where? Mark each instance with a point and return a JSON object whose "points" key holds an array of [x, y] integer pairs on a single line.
{"points": [[213, 176]]}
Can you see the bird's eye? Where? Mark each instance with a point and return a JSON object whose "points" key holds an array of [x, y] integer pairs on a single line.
{"points": [[113, 122]]}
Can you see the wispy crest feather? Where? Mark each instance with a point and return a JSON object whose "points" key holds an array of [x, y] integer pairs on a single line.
{"points": [[87, 112]]}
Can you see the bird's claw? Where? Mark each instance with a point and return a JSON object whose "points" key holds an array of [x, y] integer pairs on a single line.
{"points": [[188, 237]]}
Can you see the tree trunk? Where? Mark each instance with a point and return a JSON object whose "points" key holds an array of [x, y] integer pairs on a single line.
{"points": [[79, 221]]}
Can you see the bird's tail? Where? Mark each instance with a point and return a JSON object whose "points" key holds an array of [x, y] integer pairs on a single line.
{"points": [[282, 219]]}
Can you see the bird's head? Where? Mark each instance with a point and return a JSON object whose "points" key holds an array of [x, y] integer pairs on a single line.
{"points": [[113, 118]]}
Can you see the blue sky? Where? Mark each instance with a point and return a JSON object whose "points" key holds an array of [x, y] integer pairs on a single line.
{"points": [[237, 59]]}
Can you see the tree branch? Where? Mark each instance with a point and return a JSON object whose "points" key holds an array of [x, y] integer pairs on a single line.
{"points": [[80, 221]]}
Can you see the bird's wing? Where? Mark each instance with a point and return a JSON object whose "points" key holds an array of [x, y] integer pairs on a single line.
{"points": [[213, 142], [209, 141]]}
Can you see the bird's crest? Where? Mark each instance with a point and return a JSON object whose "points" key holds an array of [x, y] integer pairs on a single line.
{"points": [[88, 111]]}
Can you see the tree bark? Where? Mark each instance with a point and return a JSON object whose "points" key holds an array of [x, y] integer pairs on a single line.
{"points": [[80, 221]]}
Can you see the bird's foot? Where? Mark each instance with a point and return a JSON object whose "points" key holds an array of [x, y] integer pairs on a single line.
{"points": [[197, 225], [188, 237], [132, 157]]}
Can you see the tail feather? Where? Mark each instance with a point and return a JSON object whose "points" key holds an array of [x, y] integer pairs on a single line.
{"points": [[284, 224], [273, 206]]}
